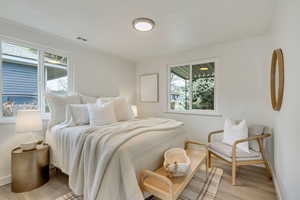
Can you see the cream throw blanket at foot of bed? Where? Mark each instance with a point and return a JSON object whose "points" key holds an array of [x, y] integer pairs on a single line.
{"points": [[97, 157]]}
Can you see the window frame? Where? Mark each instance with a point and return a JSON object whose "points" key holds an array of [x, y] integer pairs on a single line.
{"points": [[41, 75], [216, 92]]}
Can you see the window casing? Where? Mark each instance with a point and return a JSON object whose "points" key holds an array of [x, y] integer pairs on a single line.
{"points": [[192, 87], [26, 73]]}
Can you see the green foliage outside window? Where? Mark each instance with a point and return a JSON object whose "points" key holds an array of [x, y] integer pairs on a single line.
{"points": [[203, 93]]}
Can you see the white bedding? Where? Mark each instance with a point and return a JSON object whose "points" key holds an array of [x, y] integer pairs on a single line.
{"points": [[71, 135], [143, 149]]}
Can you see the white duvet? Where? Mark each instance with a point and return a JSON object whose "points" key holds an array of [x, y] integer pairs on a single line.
{"points": [[104, 162]]}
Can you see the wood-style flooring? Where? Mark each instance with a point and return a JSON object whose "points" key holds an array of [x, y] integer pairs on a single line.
{"points": [[252, 184]]}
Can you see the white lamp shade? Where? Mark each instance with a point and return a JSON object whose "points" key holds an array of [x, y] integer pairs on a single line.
{"points": [[135, 110], [28, 121]]}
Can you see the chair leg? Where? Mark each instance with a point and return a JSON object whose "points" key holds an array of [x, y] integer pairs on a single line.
{"points": [[233, 173], [206, 167], [269, 172], [262, 150], [209, 160]]}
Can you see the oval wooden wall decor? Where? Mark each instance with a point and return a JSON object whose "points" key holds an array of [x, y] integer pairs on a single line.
{"points": [[277, 67]]}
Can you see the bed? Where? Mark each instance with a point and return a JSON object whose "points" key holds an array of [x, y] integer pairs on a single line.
{"points": [[105, 162]]}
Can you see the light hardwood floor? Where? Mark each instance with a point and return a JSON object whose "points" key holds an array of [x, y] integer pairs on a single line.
{"points": [[252, 182]]}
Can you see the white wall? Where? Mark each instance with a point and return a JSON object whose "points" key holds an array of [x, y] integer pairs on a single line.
{"points": [[287, 135], [95, 73], [243, 85]]}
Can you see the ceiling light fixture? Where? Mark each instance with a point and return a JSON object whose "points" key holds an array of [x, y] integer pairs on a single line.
{"points": [[143, 24]]}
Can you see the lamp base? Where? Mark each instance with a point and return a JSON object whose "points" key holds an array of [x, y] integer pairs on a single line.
{"points": [[28, 146]]}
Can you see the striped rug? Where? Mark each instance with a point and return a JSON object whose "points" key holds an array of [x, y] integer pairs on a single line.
{"points": [[199, 188]]}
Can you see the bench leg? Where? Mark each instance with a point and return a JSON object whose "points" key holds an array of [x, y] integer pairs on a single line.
{"points": [[233, 173]]}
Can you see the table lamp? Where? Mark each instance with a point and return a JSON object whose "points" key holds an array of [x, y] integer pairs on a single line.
{"points": [[29, 122]]}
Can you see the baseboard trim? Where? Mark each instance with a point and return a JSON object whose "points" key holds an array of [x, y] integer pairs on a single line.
{"points": [[4, 180], [276, 184]]}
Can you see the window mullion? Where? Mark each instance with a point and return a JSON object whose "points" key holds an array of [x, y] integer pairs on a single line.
{"points": [[41, 86], [1, 81], [168, 88], [190, 87]]}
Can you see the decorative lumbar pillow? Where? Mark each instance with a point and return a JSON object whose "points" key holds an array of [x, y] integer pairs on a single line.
{"points": [[122, 109], [88, 99], [79, 114], [234, 132], [101, 114], [57, 105]]}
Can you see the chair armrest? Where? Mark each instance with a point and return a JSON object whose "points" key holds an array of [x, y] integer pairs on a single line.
{"points": [[213, 133], [258, 137], [252, 138], [186, 144]]}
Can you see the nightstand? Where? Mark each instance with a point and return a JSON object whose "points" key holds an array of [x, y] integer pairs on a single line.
{"points": [[29, 169]]}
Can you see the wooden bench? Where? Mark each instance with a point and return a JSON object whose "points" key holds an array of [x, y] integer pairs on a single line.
{"points": [[160, 185]]}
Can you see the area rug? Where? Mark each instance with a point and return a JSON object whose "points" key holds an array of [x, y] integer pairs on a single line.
{"points": [[200, 187]]}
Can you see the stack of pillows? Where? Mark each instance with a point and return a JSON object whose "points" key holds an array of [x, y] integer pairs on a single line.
{"points": [[76, 110]]}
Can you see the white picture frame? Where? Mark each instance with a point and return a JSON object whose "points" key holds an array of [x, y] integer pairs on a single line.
{"points": [[149, 88]]}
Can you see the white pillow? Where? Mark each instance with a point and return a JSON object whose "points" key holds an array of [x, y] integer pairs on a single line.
{"points": [[79, 114], [122, 109], [101, 114], [234, 132], [106, 99], [57, 105], [88, 99]]}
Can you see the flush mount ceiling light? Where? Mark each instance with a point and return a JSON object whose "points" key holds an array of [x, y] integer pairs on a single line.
{"points": [[143, 24]]}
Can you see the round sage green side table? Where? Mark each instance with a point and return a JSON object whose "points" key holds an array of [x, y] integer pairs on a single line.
{"points": [[29, 169]]}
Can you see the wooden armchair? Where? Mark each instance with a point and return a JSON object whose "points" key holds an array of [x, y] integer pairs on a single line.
{"points": [[236, 157]]}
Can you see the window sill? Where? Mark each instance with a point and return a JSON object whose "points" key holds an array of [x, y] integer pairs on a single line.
{"points": [[200, 113], [12, 120]]}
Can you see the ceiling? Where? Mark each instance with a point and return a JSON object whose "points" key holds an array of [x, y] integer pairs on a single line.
{"points": [[180, 24]]}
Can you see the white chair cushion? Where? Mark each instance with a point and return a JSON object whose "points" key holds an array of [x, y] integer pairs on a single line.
{"points": [[226, 150]]}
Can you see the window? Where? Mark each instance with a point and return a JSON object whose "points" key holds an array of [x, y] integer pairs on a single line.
{"points": [[26, 74], [191, 88], [56, 75]]}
